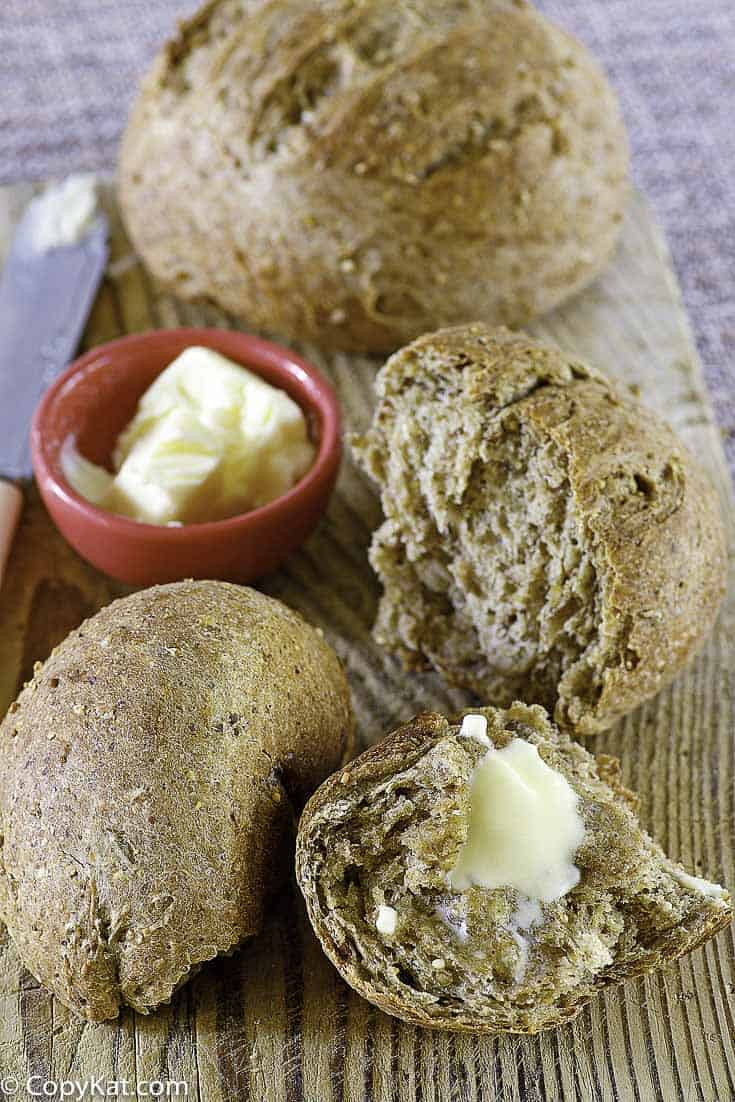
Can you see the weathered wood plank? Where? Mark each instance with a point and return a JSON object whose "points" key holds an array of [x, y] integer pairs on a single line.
{"points": [[274, 1023]]}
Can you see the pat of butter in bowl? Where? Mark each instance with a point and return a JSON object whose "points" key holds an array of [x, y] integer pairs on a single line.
{"points": [[209, 440], [524, 823]]}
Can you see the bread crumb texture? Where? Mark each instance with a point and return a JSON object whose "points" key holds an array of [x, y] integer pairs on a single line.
{"points": [[479, 959], [546, 537], [149, 778], [355, 173]]}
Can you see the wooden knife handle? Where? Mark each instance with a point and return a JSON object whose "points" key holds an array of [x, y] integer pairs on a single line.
{"points": [[11, 503]]}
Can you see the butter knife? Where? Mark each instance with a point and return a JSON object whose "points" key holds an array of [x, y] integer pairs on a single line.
{"points": [[46, 294]]}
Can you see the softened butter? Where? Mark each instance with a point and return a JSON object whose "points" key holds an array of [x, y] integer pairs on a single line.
{"points": [[63, 213], [387, 920], [703, 887], [524, 826], [474, 726], [210, 439]]}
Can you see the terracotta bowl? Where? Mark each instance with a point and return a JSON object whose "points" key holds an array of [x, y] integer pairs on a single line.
{"points": [[97, 396]]}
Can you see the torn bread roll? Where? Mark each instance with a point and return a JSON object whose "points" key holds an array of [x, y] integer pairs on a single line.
{"points": [[491, 876], [546, 536]]}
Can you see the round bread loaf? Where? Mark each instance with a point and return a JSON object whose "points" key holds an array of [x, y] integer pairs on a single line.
{"points": [[546, 537], [386, 833], [357, 173], [149, 778]]}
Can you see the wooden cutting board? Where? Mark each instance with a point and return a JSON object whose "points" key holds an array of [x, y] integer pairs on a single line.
{"points": [[274, 1022]]}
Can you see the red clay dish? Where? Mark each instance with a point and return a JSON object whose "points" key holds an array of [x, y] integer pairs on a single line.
{"points": [[97, 396]]}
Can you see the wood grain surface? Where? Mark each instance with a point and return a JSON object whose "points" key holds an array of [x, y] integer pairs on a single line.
{"points": [[274, 1023]]}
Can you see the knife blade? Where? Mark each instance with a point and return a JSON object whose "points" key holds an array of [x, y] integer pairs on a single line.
{"points": [[45, 299]]}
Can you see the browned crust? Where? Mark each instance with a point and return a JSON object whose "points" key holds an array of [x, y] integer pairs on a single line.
{"points": [[150, 777], [278, 163], [663, 566]]}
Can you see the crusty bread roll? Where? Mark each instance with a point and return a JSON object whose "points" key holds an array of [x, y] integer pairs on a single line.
{"points": [[546, 536], [387, 831], [149, 778], [355, 174]]}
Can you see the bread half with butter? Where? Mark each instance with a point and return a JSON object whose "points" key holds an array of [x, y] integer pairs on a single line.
{"points": [[491, 876]]}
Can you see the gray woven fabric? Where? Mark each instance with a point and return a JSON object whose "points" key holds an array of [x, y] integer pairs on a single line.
{"points": [[68, 70]]}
